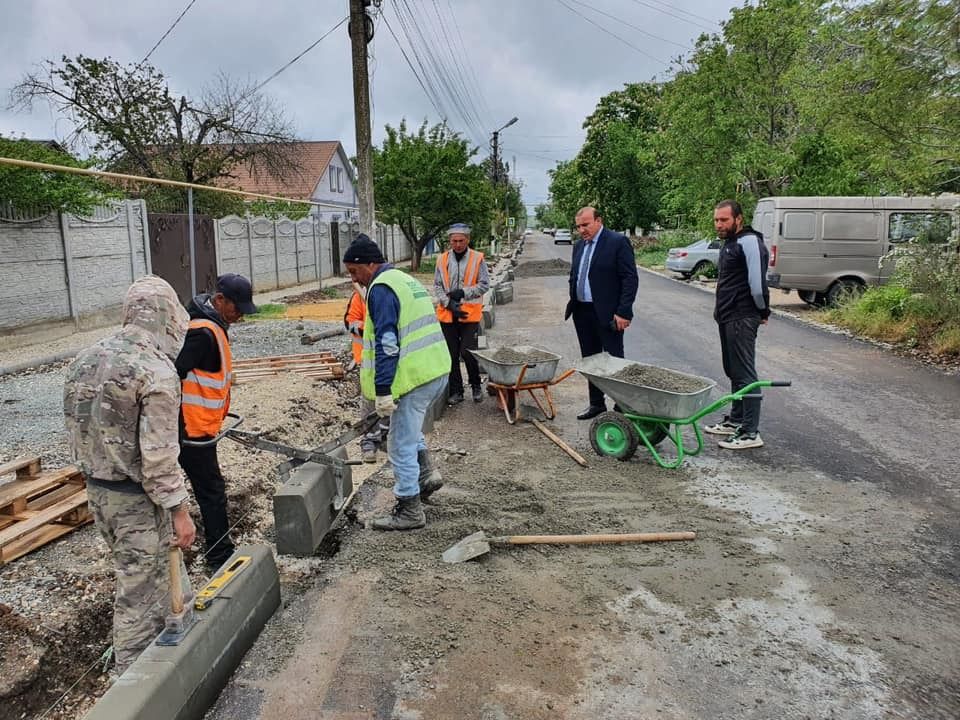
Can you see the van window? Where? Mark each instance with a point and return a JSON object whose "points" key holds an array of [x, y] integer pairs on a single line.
{"points": [[798, 225], [919, 227], [764, 223], [851, 226]]}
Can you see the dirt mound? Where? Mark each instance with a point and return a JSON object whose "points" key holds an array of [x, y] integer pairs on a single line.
{"points": [[543, 268], [319, 295]]}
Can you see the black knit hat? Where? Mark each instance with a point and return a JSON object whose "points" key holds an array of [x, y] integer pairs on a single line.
{"points": [[362, 251]]}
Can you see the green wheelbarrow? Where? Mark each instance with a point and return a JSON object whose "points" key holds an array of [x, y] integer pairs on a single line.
{"points": [[651, 415]]}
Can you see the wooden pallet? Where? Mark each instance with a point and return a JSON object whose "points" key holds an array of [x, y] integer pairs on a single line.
{"points": [[320, 365], [37, 507]]}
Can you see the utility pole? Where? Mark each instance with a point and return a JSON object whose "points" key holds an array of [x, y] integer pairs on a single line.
{"points": [[496, 158], [361, 32]]}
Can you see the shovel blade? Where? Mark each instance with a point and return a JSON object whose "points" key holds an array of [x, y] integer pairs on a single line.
{"points": [[470, 547]]}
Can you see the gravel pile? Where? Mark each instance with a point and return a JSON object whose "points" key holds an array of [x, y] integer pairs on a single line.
{"points": [[31, 402], [509, 356], [659, 379], [543, 268]]}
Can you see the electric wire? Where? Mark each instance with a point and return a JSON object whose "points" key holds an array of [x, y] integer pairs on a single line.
{"points": [[613, 34], [308, 49], [473, 74], [164, 36], [414, 29], [711, 27], [410, 65], [426, 80], [633, 27]]}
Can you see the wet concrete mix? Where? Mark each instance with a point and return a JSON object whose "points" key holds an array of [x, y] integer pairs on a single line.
{"points": [[659, 379]]}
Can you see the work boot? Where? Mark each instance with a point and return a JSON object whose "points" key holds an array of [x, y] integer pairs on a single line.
{"points": [[430, 478], [407, 514], [368, 453], [477, 394]]}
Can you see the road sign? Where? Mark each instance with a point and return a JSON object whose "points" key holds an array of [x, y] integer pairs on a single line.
{"points": [[511, 222]]}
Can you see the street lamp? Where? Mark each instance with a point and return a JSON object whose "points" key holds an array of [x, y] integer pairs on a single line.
{"points": [[496, 151]]}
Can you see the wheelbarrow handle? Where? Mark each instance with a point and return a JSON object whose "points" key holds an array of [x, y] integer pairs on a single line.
{"points": [[237, 419], [781, 383]]}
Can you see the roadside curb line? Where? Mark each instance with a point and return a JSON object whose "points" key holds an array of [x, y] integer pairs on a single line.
{"points": [[183, 681], [37, 362]]}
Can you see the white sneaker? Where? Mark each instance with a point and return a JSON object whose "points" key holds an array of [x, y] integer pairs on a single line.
{"points": [[742, 442], [724, 427]]}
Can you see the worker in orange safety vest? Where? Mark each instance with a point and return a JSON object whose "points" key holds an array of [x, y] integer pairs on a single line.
{"points": [[205, 367], [460, 280]]}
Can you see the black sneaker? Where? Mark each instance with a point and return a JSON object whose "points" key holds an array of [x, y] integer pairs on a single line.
{"points": [[455, 399], [477, 394]]}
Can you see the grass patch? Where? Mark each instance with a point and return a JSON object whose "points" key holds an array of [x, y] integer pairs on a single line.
{"points": [[894, 314], [655, 254], [331, 293], [268, 311]]}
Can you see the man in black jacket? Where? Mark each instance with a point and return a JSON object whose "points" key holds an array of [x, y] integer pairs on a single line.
{"points": [[200, 365], [742, 306], [603, 286]]}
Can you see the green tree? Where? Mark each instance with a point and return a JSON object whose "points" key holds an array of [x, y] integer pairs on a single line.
{"points": [[424, 181], [731, 112], [46, 191], [888, 79], [567, 191], [618, 161], [132, 121]]}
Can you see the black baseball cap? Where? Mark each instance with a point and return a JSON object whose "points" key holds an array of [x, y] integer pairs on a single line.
{"points": [[238, 289]]}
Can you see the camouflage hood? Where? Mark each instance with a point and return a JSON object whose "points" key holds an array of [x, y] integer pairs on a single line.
{"points": [[152, 306]]}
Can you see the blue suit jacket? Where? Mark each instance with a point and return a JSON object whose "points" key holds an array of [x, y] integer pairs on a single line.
{"points": [[613, 277]]}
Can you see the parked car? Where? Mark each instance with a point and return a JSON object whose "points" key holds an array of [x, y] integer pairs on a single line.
{"points": [[699, 258], [528, 231], [562, 236]]}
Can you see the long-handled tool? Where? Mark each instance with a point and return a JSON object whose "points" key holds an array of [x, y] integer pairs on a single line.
{"points": [[181, 617], [298, 456], [479, 544]]}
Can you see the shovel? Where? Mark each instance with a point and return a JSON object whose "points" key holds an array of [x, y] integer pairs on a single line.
{"points": [[479, 544]]}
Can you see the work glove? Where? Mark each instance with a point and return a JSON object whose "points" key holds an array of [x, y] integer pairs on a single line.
{"points": [[456, 294], [385, 405], [460, 314], [452, 305], [355, 327]]}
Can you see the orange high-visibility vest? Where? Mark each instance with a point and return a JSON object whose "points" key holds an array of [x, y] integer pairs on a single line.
{"points": [[474, 310], [206, 395], [356, 312]]}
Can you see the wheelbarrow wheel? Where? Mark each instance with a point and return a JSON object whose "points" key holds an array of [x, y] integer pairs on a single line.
{"points": [[611, 434], [653, 431]]}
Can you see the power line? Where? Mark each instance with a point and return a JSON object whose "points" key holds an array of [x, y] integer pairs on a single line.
{"points": [[473, 74], [410, 65], [613, 34], [713, 23], [164, 36], [634, 27], [311, 47], [460, 60]]}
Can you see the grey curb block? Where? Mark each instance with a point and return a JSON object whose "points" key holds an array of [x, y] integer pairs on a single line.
{"points": [[183, 682]]}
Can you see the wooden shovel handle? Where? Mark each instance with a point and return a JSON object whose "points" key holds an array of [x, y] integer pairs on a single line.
{"points": [[176, 589], [596, 539]]}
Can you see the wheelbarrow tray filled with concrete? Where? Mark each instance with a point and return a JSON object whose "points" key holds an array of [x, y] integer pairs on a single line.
{"points": [[507, 371], [641, 400]]}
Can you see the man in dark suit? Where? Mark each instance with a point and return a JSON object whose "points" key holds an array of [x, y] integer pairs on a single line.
{"points": [[603, 286]]}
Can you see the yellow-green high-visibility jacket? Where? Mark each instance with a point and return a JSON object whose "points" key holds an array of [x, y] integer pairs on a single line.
{"points": [[423, 351]]}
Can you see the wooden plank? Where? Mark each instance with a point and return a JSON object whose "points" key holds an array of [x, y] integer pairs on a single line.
{"points": [[24, 467], [42, 502], [15, 495], [35, 539], [305, 362], [303, 357], [50, 514]]}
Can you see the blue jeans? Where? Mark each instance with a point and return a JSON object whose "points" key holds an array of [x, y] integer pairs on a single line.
{"points": [[406, 436]]}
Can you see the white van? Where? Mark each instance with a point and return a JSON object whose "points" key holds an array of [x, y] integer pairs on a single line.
{"points": [[823, 247]]}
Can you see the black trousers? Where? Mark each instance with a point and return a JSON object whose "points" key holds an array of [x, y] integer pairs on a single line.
{"points": [[461, 337], [203, 469], [594, 338], [738, 348]]}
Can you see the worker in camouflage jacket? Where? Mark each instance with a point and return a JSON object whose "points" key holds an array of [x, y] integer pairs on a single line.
{"points": [[121, 402]]}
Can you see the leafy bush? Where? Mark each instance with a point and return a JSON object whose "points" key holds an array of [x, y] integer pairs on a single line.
{"points": [[653, 251]]}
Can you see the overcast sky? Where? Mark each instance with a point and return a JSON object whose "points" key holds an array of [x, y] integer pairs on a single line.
{"points": [[534, 59]]}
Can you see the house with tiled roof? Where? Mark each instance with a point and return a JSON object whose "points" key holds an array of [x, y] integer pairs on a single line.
{"points": [[326, 175]]}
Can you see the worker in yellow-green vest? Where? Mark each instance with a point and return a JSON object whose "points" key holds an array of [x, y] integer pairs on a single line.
{"points": [[404, 367]]}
